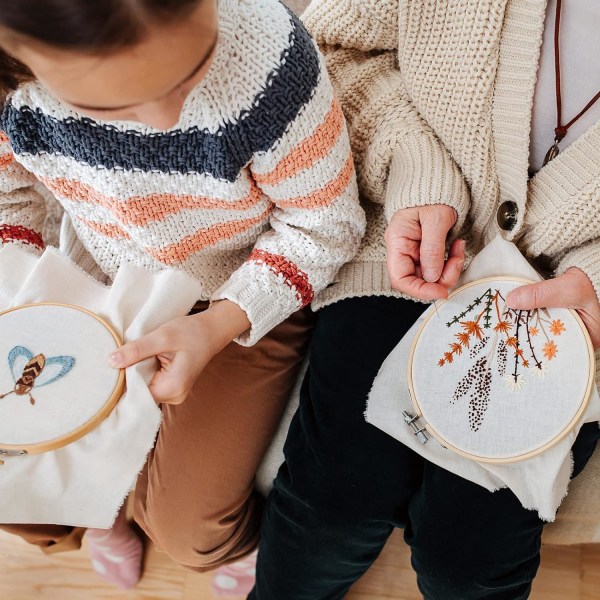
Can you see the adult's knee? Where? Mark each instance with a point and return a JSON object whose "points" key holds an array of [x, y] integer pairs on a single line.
{"points": [[467, 571]]}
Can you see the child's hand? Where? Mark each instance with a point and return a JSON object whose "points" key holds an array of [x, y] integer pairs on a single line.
{"points": [[416, 245], [183, 347]]}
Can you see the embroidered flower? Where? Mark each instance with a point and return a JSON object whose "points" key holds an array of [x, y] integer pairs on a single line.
{"points": [[533, 331], [540, 370], [503, 326], [463, 338], [472, 328], [557, 327], [441, 362], [514, 383], [456, 348], [448, 357], [511, 341], [550, 349]]}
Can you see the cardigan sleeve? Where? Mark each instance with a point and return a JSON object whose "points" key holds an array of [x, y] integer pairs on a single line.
{"points": [[586, 258], [400, 162], [22, 208]]}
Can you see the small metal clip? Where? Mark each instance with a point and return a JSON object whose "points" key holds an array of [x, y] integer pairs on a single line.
{"points": [[12, 452], [412, 423]]}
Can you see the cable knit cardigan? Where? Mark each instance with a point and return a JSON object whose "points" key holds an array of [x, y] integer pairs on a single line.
{"points": [[438, 97]]}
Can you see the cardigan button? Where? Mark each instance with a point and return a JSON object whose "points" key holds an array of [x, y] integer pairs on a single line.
{"points": [[507, 215]]}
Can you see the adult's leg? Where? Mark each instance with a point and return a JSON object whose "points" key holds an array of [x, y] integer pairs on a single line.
{"points": [[195, 498], [470, 544], [345, 484]]}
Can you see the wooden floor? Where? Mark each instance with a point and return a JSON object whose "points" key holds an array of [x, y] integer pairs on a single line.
{"points": [[567, 573]]}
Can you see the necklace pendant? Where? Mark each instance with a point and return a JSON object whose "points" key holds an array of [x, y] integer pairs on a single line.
{"points": [[552, 153]]}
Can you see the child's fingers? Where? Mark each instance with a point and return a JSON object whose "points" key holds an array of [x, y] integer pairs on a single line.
{"points": [[172, 385], [138, 350]]}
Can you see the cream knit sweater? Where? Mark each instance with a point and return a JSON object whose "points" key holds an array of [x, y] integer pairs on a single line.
{"points": [[438, 97]]}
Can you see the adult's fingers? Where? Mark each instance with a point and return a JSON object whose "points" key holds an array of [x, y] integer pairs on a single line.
{"points": [[561, 292], [454, 264], [436, 221]]}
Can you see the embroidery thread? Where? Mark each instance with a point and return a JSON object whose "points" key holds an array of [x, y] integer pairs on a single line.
{"points": [[29, 371], [506, 335]]}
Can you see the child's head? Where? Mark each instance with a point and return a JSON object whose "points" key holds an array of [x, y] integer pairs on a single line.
{"points": [[110, 59]]}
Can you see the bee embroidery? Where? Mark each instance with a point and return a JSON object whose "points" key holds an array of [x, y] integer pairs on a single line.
{"points": [[31, 371]]}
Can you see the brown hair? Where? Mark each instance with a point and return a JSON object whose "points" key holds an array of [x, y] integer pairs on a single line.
{"points": [[86, 25]]}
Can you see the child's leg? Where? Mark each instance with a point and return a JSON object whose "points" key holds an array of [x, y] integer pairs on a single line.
{"points": [[195, 497], [50, 538], [116, 553]]}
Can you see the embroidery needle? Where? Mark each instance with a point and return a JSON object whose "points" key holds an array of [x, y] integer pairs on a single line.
{"points": [[436, 309]]}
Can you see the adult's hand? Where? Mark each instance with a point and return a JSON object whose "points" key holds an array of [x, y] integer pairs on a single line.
{"points": [[572, 289], [416, 247]]}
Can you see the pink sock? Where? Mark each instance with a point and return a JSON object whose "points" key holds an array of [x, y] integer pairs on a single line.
{"points": [[236, 579], [116, 553]]}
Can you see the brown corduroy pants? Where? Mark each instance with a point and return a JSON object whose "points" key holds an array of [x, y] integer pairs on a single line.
{"points": [[195, 497]]}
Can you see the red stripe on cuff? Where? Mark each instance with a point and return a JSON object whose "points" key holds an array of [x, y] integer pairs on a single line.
{"points": [[17, 233], [293, 276]]}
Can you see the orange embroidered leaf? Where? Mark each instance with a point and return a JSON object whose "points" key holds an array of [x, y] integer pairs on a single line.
{"points": [[533, 331], [456, 348], [519, 352], [441, 362], [463, 338], [503, 326], [448, 356], [550, 350], [472, 328], [557, 327], [511, 341], [526, 363]]}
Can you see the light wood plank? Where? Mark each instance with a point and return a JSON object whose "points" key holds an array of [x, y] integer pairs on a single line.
{"points": [[566, 573]]}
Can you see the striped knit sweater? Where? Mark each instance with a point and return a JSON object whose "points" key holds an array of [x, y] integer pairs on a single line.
{"points": [[253, 192]]}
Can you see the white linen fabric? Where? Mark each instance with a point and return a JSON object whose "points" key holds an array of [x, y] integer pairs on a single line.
{"points": [[496, 383], [75, 381], [85, 482], [540, 482]]}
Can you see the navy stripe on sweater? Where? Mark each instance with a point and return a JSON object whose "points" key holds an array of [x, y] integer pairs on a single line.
{"points": [[221, 154]]}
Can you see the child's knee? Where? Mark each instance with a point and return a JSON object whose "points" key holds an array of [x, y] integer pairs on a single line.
{"points": [[198, 540]]}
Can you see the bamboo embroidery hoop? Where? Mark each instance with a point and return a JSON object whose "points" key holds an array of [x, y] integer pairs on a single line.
{"points": [[90, 424], [426, 425]]}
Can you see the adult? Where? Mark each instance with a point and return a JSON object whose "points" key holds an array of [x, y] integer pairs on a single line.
{"points": [[439, 96]]}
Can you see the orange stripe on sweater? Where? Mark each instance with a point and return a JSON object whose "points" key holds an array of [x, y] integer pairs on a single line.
{"points": [[108, 229], [293, 276], [141, 210], [326, 195], [317, 146], [6, 159], [177, 253]]}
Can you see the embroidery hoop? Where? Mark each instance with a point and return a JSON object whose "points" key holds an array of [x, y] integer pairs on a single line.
{"points": [[10, 449], [421, 421]]}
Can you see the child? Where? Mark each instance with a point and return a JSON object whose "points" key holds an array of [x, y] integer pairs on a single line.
{"points": [[203, 136]]}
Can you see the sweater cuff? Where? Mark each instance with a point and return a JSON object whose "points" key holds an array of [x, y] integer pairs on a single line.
{"points": [[587, 259], [422, 173], [265, 300]]}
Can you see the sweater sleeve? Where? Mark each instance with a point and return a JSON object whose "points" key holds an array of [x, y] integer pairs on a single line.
{"points": [[400, 161], [586, 258], [22, 208], [316, 221]]}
